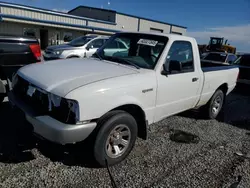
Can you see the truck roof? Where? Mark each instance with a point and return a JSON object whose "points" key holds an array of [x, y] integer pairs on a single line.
{"points": [[173, 36]]}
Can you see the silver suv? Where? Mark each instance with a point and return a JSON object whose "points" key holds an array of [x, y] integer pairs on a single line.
{"points": [[84, 46]]}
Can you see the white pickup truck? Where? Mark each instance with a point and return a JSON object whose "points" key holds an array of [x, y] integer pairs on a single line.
{"points": [[113, 96]]}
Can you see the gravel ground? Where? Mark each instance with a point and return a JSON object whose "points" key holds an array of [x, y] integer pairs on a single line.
{"points": [[157, 162]]}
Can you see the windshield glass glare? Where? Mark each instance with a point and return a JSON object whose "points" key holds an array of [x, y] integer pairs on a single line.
{"points": [[143, 50]]}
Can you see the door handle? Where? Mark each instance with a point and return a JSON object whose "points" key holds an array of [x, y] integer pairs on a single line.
{"points": [[194, 79]]}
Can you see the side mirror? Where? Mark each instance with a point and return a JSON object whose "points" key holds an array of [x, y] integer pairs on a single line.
{"points": [[175, 66], [230, 62], [87, 48], [165, 70]]}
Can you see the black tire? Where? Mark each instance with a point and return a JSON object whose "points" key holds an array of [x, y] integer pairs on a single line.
{"points": [[214, 106], [106, 126]]}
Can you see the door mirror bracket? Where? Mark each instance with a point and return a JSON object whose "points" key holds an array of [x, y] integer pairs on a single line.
{"points": [[165, 71]]}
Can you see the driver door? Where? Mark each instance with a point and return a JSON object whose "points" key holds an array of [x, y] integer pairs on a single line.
{"points": [[180, 89]]}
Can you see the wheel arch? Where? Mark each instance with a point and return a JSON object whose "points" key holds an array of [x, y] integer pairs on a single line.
{"points": [[224, 88], [73, 56], [138, 113]]}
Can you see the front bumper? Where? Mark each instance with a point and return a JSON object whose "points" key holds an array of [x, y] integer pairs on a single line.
{"points": [[46, 58], [51, 129]]}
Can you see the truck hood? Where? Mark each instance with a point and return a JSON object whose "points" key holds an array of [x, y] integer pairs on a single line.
{"points": [[62, 76]]}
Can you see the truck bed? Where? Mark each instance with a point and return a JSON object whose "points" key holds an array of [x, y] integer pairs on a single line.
{"points": [[207, 66]]}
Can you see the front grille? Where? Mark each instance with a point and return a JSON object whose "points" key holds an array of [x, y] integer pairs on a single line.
{"points": [[50, 58], [48, 51], [38, 102]]}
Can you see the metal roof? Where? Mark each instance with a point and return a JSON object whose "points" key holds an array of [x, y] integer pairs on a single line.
{"points": [[51, 12]]}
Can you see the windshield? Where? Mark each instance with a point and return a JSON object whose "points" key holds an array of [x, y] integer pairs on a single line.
{"points": [[221, 57], [80, 41], [141, 50]]}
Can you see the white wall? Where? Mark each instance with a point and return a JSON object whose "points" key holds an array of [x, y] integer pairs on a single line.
{"points": [[145, 26], [124, 23], [179, 30]]}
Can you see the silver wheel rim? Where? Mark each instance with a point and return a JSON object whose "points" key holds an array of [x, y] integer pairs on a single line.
{"points": [[118, 141], [217, 105]]}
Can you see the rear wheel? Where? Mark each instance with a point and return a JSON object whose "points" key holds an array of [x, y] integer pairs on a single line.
{"points": [[1, 97], [214, 106], [115, 138]]}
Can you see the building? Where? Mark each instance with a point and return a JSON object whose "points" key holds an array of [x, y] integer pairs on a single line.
{"points": [[52, 27]]}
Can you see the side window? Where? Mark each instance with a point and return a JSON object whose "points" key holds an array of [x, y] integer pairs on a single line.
{"points": [[231, 58], [121, 45], [105, 40], [97, 43], [113, 45], [180, 58]]}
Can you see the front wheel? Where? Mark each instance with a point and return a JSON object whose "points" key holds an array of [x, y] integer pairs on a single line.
{"points": [[215, 104], [115, 139]]}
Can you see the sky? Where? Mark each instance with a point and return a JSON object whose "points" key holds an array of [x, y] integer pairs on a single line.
{"points": [[203, 18]]}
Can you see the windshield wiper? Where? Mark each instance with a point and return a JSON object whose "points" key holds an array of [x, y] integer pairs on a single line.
{"points": [[124, 61]]}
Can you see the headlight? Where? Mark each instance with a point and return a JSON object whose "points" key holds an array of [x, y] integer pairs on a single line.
{"points": [[59, 52], [64, 110]]}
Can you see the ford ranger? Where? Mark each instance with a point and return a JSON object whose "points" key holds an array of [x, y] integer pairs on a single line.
{"points": [[114, 96]]}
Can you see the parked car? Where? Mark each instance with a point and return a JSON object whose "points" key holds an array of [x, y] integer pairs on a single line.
{"points": [[244, 65], [15, 52], [220, 57], [84, 46], [113, 98]]}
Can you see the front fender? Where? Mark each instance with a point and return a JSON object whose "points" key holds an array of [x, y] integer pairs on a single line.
{"points": [[93, 104], [100, 97], [96, 107], [121, 101]]}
